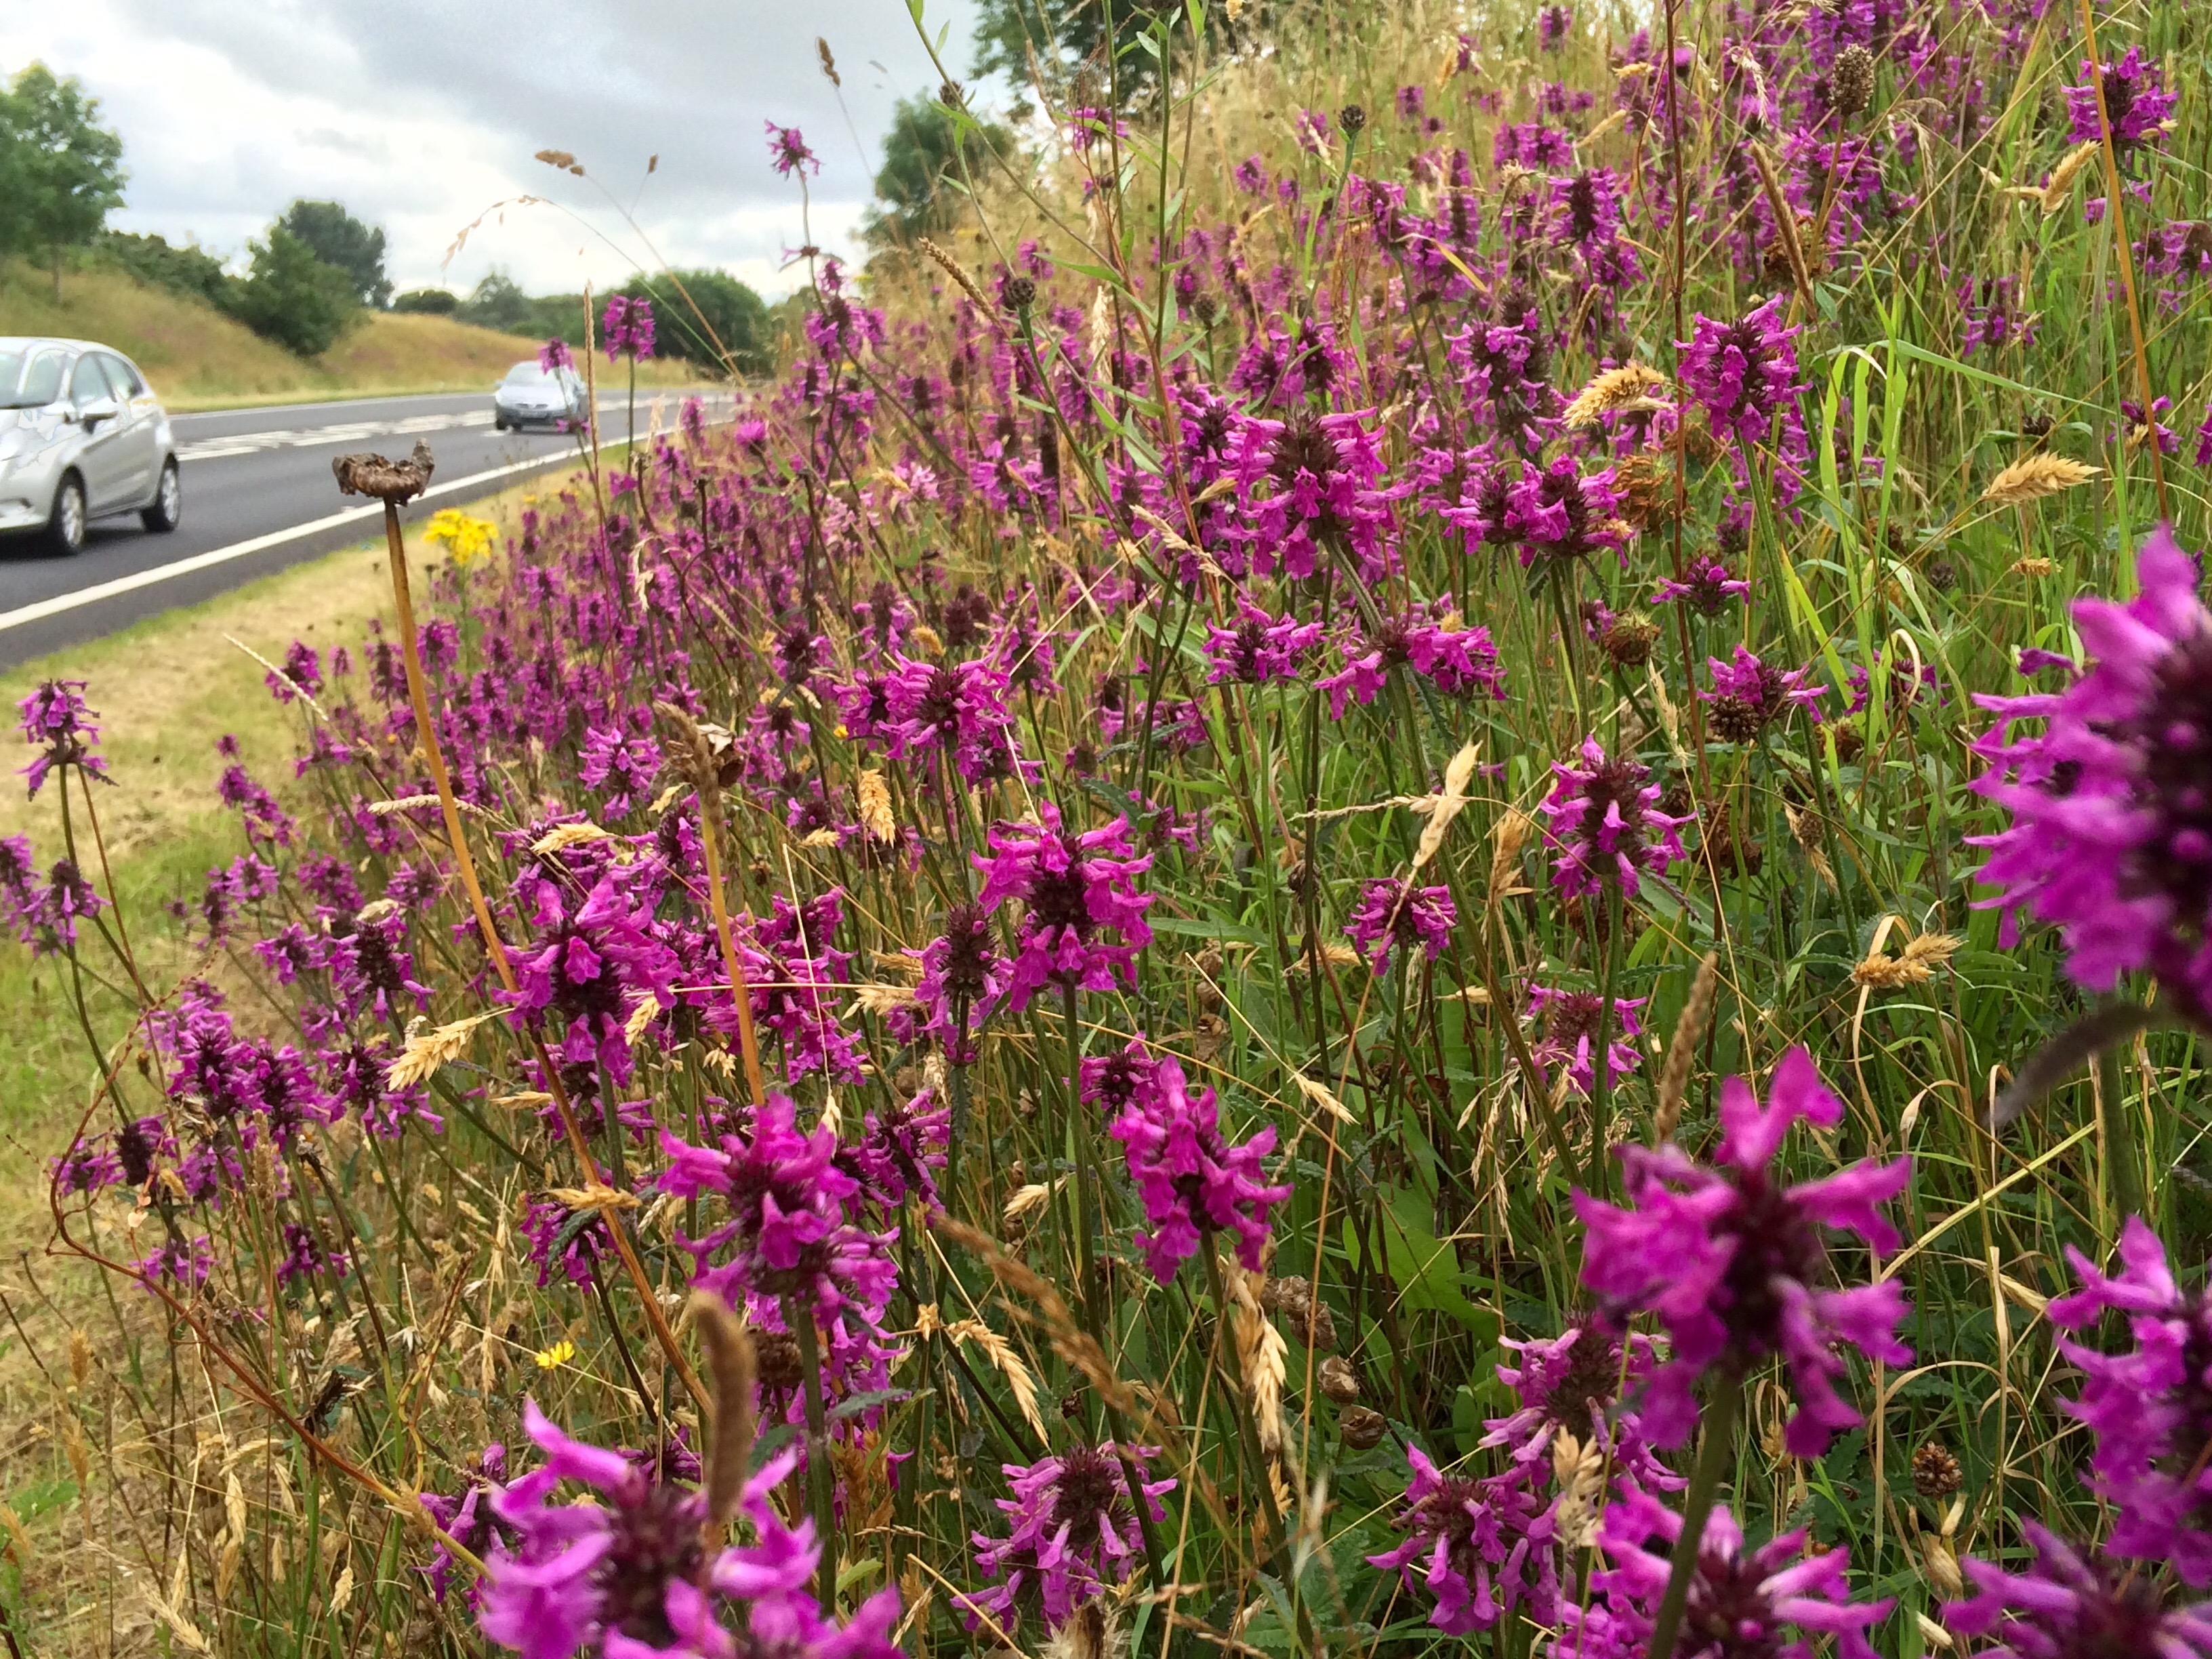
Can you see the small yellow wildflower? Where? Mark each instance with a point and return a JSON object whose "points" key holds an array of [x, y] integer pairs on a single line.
{"points": [[552, 1358], [467, 538]]}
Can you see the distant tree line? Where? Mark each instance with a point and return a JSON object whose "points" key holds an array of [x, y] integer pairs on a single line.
{"points": [[705, 317]]}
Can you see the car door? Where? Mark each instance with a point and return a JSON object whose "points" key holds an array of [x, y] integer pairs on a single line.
{"points": [[139, 436], [100, 459]]}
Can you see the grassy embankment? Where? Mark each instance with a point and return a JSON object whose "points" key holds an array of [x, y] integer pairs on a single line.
{"points": [[197, 358]]}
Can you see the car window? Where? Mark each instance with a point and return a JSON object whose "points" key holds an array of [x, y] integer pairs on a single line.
{"points": [[123, 378], [41, 385], [86, 384], [525, 374]]}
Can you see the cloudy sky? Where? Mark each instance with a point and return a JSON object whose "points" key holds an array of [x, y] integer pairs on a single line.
{"points": [[422, 115]]}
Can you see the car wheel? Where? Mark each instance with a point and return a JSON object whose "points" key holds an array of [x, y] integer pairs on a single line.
{"points": [[498, 423], [167, 511], [65, 525]]}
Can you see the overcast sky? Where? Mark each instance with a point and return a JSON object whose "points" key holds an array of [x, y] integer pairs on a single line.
{"points": [[419, 115]]}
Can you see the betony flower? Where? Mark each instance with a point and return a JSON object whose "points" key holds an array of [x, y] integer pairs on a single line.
{"points": [[2136, 104], [787, 151], [2110, 831], [1705, 587], [1192, 1181], [54, 717], [626, 328], [1260, 649], [956, 708], [2073, 1604], [1606, 826], [1394, 915], [2150, 1407], [1734, 1264], [1741, 1601], [1072, 1530], [1460, 1541], [1745, 375], [1747, 696], [1077, 893], [554, 355], [1566, 1029], [1575, 1383]]}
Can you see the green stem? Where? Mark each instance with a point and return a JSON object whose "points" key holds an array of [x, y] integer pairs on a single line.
{"points": [[2123, 1157], [821, 1485], [1704, 1483]]}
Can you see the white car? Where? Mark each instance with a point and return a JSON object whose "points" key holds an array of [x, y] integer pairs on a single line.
{"points": [[81, 436], [533, 395]]}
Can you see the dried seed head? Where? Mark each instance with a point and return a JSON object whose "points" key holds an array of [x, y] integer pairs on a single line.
{"points": [[2036, 477], [1936, 1472], [1338, 1380], [951, 266], [1021, 292], [1630, 389], [390, 482], [1915, 965], [1850, 83], [1363, 1429], [1352, 118], [1627, 641]]}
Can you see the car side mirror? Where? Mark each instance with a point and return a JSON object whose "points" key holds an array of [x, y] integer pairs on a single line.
{"points": [[96, 410]]}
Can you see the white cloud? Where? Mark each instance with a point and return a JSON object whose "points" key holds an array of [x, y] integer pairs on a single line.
{"points": [[422, 116]]}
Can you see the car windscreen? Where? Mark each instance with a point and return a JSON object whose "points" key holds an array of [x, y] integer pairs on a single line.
{"points": [[31, 385], [527, 374]]}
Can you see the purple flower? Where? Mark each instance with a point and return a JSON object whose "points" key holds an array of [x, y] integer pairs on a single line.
{"points": [[787, 152], [1394, 915], [468, 1521], [1705, 587], [302, 672], [1072, 1530], [1074, 889], [1567, 1027], [627, 1573], [1260, 649], [1605, 825], [1740, 1601], [1553, 23], [1563, 512], [2072, 1605], [1749, 695], [2149, 1407], [626, 328], [1734, 1265], [554, 355], [2111, 837], [54, 716], [1745, 375], [1460, 661], [962, 977], [1460, 1534], [1192, 1181], [2135, 104], [1993, 315], [1571, 1383], [958, 709]]}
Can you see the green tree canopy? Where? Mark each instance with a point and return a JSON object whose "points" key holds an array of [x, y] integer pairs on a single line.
{"points": [[338, 238], [61, 171], [918, 188], [735, 318], [293, 298], [431, 301]]}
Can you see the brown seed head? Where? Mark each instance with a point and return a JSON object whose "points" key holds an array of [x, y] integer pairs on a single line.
{"points": [[1851, 84], [392, 481], [1936, 1472], [1363, 1429]]}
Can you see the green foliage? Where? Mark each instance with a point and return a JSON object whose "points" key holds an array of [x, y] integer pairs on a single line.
{"points": [[926, 152], [427, 302], [338, 238], [1013, 38], [293, 298], [499, 301], [707, 318], [61, 172], [186, 269]]}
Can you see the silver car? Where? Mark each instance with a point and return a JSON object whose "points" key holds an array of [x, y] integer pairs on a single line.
{"points": [[533, 395], [80, 437]]}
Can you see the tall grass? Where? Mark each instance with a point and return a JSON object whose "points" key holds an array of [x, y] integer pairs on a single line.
{"points": [[660, 697]]}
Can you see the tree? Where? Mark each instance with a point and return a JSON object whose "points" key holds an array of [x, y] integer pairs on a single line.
{"points": [[63, 173], [735, 335], [293, 298], [338, 238], [188, 269], [924, 153], [498, 302], [429, 301]]}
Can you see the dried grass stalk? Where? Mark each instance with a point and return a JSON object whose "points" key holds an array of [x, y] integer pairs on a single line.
{"points": [[732, 1364], [426, 1051], [876, 806], [1915, 965], [1682, 1047], [1002, 1354], [1632, 388], [1446, 803], [951, 266]]}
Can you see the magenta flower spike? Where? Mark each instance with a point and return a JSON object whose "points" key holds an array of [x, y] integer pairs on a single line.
{"points": [[1465, 1542], [1734, 1264], [1394, 915], [1193, 1182], [1605, 825], [55, 717], [1072, 1530], [1566, 1027], [2074, 1604], [1075, 891], [2110, 832]]}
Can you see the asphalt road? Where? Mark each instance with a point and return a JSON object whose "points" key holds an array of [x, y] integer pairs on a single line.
{"points": [[258, 496]]}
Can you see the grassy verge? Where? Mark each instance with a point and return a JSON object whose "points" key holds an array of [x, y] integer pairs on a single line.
{"points": [[199, 359]]}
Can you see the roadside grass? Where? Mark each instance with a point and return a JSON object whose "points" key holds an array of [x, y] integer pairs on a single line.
{"points": [[199, 359], [165, 688]]}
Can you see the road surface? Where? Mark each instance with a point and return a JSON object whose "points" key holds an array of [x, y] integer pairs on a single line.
{"points": [[258, 496]]}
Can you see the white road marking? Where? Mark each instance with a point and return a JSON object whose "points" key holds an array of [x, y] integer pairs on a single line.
{"points": [[130, 584], [253, 443]]}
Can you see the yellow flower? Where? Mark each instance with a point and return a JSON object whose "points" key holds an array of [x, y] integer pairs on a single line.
{"points": [[467, 538], [552, 1358]]}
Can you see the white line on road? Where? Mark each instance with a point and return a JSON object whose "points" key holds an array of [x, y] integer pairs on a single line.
{"points": [[108, 590]]}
